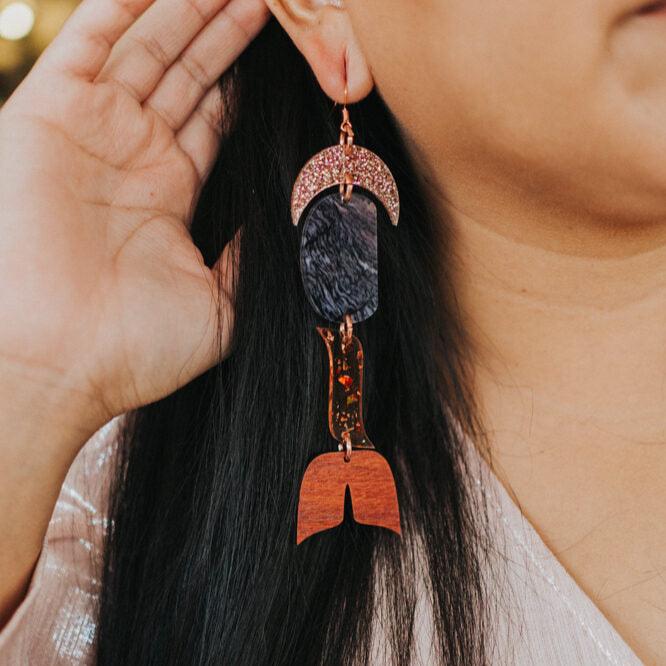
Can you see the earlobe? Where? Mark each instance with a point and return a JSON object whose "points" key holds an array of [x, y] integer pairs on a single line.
{"points": [[323, 33]]}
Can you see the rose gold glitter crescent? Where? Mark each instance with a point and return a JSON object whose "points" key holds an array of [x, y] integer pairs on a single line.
{"points": [[327, 169]]}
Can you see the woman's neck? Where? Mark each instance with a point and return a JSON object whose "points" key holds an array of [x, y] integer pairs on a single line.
{"points": [[568, 325]]}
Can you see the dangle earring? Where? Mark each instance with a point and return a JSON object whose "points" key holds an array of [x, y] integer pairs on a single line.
{"points": [[339, 268]]}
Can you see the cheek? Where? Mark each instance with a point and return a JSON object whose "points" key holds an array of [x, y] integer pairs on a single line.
{"points": [[483, 72], [490, 87]]}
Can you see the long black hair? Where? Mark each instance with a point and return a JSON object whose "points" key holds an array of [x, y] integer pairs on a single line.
{"points": [[201, 565]]}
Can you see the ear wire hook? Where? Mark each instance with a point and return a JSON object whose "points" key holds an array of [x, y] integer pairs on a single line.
{"points": [[346, 141]]}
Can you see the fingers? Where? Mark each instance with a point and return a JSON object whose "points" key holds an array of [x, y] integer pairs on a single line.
{"points": [[205, 59], [200, 137], [86, 40], [153, 43]]}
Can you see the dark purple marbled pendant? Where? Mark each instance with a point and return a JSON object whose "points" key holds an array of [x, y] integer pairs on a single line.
{"points": [[339, 257]]}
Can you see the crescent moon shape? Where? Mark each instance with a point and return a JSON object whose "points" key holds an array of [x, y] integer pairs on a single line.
{"points": [[327, 169]]}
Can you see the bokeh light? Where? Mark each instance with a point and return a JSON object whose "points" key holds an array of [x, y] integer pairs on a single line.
{"points": [[26, 29], [16, 20]]}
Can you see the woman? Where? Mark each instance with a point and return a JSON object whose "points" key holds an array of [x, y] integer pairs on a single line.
{"points": [[515, 372]]}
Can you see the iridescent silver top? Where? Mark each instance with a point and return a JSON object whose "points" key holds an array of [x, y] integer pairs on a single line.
{"points": [[540, 614]]}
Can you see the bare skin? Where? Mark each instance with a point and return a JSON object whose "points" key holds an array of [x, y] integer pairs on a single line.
{"points": [[106, 302], [570, 370], [539, 129]]}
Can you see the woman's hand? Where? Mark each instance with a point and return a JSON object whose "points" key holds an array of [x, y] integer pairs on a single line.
{"points": [[105, 300]]}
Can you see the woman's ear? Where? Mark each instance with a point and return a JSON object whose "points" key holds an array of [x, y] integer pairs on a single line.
{"points": [[323, 33]]}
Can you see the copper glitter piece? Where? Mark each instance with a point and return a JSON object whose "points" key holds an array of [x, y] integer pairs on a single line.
{"points": [[328, 168], [345, 361]]}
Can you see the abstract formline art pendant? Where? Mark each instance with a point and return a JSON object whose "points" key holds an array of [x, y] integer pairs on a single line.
{"points": [[339, 268]]}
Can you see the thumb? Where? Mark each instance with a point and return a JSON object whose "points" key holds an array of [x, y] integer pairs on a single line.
{"points": [[209, 335], [225, 274]]}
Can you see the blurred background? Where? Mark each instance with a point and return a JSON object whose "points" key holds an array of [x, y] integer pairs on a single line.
{"points": [[26, 28]]}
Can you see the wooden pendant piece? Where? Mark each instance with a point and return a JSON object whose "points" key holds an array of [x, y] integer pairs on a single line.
{"points": [[322, 497], [356, 465]]}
